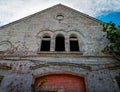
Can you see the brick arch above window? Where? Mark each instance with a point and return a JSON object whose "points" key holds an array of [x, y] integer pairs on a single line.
{"points": [[62, 33], [73, 36], [40, 34], [76, 32], [46, 35]]}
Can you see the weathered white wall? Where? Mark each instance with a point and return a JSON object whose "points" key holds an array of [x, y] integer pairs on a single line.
{"points": [[98, 76], [25, 34]]}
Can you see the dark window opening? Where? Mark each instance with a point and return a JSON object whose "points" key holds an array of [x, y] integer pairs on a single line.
{"points": [[60, 43], [45, 45], [74, 45]]}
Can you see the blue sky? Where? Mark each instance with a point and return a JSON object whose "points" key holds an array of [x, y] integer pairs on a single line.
{"points": [[113, 16], [105, 10]]}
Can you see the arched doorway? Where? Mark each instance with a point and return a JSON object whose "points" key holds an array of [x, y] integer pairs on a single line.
{"points": [[60, 83]]}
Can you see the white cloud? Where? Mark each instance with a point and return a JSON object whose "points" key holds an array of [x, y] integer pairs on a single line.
{"points": [[11, 10]]}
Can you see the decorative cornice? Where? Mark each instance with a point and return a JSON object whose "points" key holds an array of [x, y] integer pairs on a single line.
{"points": [[54, 55]]}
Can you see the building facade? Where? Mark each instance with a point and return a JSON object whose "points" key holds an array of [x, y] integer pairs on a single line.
{"points": [[56, 50]]}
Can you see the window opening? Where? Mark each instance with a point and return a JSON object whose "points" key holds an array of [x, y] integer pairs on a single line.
{"points": [[74, 46], [45, 44], [60, 43]]}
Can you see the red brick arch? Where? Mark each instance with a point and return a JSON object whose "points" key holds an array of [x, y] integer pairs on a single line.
{"points": [[61, 82]]}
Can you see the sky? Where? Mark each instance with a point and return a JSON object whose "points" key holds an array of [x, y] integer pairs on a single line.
{"points": [[104, 10]]}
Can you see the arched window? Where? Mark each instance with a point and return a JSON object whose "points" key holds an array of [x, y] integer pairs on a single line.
{"points": [[45, 44], [60, 43], [74, 45]]}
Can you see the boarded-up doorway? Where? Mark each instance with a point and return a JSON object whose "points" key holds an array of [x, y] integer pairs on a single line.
{"points": [[61, 83]]}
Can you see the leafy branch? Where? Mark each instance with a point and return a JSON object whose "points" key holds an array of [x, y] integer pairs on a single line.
{"points": [[113, 35]]}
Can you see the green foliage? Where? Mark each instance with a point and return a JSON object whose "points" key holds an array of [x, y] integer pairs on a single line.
{"points": [[113, 34]]}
